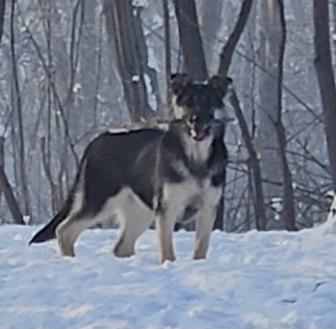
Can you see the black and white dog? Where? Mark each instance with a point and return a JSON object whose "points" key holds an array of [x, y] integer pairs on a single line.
{"points": [[152, 174]]}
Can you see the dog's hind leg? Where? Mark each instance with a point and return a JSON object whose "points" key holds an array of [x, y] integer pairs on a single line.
{"points": [[69, 230], [135, 217]]}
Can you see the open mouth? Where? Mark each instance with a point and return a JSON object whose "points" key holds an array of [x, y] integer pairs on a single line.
{"points": [[199, 135]]}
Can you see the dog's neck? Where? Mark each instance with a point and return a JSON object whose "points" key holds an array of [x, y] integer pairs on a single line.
{"points": [[196, 151]]}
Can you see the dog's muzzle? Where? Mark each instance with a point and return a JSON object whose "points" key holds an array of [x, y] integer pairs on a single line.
{"points": [[199, 135]]}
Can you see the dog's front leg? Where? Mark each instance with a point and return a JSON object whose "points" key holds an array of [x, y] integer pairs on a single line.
{"points": [[165, 227], [204, 224], [205, 221], [171, 206]]}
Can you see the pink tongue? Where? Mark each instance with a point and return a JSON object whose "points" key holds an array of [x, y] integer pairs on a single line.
{"points": [[198, 136]]}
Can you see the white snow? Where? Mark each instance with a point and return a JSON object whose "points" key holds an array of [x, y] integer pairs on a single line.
{"points": [[26, 219], [275, 280], [150, 93], [135, 78], [140, 3], [276, 205], [76, 88], [152, 60]]}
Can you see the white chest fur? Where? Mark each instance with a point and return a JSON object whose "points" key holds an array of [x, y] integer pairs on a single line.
{"points": [[198, 151], [191, 192]]}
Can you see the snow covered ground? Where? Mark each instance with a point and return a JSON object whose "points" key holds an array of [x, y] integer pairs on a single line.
{"points": [[253, 280]]}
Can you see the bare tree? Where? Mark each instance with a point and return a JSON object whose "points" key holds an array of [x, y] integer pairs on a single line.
{"points": [[228, 49], [273, 139], [326, 80], [79, 64], [7, 190], [149, 72], [298, 8], [288, 211], [211, 13], [88, 65], [253, 163], [123, 27], [56, 195], [269, 54], [2, 16], [166, 20], [190, 39], [223, 68], [17, 107]]}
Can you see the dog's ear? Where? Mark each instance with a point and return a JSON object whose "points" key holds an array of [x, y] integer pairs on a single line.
{"points": [[220, 84], [179, 81]]}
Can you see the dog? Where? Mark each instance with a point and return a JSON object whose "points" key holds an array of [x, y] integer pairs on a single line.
{"points": [[152, 174]]}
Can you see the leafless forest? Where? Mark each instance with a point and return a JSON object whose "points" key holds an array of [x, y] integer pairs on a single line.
{"points": [[71, 69]]}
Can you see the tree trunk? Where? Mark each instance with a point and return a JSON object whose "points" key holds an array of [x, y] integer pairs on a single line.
{"points": [[253, 164], [17, 106], [272, 131], [211, 23], [56, 198], [2, 17], [150, 73], [228, 49], [190, 39], [325, 76], [270, 40], [88, 65], [288, 212], [298, 7], [129, 57], [2, 157], [166, 20], [7, 190], [223, 68]]}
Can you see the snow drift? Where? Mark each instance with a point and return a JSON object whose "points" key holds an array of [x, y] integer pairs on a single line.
{"points": [[253, 280]]}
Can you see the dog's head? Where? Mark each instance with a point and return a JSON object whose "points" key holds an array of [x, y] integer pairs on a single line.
{"points": [[199, 105]]}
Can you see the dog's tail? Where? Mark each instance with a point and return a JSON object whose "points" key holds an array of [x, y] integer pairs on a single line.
{"points": [[48, 232]]}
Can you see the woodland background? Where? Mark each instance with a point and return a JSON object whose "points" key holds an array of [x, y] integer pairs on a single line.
{"points": [[71, 69]]}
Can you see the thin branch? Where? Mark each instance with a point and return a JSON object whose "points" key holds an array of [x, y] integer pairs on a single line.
{"points": [[229, 48], [253, 162], [54, 89]]}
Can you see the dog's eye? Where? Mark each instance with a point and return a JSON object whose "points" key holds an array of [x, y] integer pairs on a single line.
{"points": [[192, 119]]}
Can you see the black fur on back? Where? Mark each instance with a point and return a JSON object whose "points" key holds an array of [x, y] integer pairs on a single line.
{"points": [[110, 162]]}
